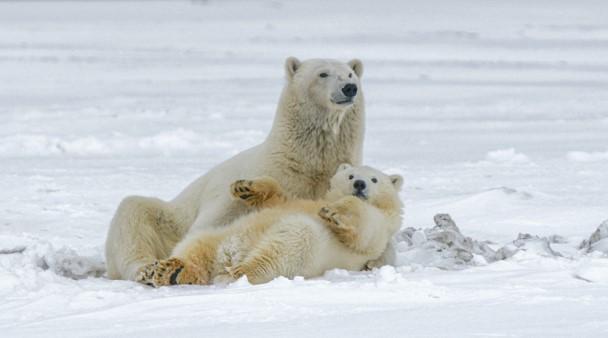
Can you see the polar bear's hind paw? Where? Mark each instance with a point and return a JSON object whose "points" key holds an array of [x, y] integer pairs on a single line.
{"points": [[161, 273]]}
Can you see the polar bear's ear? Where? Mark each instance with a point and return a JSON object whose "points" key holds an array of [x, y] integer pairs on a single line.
{"points": [[397, 181], [291, 66], [344, 166], [357, 66]]}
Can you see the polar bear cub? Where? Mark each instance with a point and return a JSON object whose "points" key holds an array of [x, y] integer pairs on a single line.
{"points": [[350, 226]]}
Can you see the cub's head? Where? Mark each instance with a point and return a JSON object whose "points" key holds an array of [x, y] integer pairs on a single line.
{"points": [[368, 184], [329, 84]]}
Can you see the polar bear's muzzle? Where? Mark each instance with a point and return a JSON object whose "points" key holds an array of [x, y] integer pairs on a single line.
{"points": [[349, 90], [360, 189], [346, 94]]}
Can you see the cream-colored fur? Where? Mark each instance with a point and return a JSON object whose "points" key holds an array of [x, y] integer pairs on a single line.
{"points": [[290, 237], [313, 132]]}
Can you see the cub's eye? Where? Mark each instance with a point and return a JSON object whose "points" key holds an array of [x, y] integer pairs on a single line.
{"points": [[351, 177], [350, 75], [323, 75], [375, 180]]}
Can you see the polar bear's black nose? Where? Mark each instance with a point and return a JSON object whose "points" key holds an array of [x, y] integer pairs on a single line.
{"points": [[350, 90], [359, 185]]}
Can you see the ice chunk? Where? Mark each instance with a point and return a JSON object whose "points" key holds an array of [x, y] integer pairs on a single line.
{"points": [[532, 244], [443, 246], [598, 241]]}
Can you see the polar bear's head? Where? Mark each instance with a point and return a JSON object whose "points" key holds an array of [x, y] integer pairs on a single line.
{"points": [[328, 84], [366, 183]]}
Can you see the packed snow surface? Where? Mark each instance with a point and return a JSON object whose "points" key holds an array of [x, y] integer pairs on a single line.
{"points": [[495, 112]]}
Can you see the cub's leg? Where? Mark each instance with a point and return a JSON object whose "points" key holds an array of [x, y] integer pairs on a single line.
{"points": [[262, 192], [387, 258], [343, 218], [286, 250], [261, 266]]}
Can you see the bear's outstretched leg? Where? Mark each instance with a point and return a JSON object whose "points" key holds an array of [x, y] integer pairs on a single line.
{"points": [[142, 231], [262, 192]]}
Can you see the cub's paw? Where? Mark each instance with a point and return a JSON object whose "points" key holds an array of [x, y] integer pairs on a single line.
{"points": [[161, 273], [339, 225], [330, 216], [235, 272]]}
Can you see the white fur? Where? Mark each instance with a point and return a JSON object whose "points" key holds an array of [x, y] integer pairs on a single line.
{"points": [[293, 242], [310, 137]]}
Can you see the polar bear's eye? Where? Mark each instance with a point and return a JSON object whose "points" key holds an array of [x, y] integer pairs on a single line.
{"points": [[350, 75], [375, 180], [351, 177], [323, 75]]}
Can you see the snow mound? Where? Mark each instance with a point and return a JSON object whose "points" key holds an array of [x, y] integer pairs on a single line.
{"points": [[497, 195], [442, 246], [66, 262], [506, 156], [582, 156], [598, 241], [445, 247], [497, 198], [25, 256], [530, 244]]}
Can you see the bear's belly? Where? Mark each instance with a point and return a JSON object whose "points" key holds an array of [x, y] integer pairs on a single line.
{"points": [[330, 254]]}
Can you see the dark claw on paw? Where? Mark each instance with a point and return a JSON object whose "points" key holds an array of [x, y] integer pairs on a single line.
{"points": [[173, 278]]}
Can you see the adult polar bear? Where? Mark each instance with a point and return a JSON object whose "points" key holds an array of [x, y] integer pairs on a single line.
{"points": [[319, 124]]}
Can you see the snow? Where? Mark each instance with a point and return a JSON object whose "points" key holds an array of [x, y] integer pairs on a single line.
{"points": [[506, 156], [582, 156], [494, 112]]}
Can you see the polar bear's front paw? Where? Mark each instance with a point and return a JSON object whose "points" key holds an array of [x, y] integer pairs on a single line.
{"points": [[161, 273], [260, 192], [338, 224], [330, 216], [243, 190]]}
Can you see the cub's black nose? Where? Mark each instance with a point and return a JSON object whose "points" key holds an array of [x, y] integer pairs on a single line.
{"points": [[359, 185], [350, 90]]}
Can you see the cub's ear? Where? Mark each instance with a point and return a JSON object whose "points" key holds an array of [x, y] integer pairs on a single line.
{"points": [[344, 166], [357, 66], [291, 66], [397, 181]]}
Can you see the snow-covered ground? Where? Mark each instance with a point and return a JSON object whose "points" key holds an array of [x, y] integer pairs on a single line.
{"points": [[496, 112]]}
